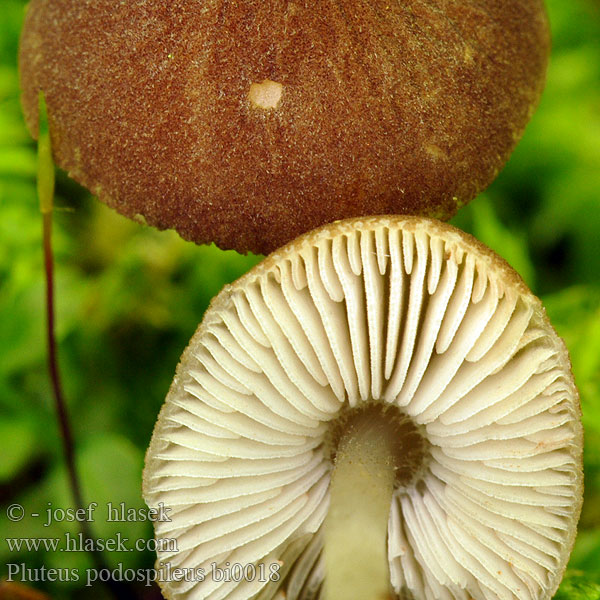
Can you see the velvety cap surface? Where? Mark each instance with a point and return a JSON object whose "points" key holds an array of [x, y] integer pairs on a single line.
{"points": [[248, 123]]}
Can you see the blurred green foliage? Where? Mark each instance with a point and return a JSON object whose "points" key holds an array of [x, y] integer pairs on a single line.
{"points": [[576, 586], [129, 299]]}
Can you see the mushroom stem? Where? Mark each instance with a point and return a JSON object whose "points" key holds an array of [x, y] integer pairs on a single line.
{"points": [[362, 483]]}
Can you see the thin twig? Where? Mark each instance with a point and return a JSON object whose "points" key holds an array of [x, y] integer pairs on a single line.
{"points": [[64, 424], [45, 184]]}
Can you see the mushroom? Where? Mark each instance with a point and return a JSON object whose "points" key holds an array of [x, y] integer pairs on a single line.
{"points": [[249, 123], [379, 408]]}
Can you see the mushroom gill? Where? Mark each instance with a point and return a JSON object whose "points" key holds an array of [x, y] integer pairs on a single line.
{"points": [[438, 341]]}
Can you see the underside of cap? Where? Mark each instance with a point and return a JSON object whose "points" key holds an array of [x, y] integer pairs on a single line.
{"points": [[249, 123], [413, 317]]}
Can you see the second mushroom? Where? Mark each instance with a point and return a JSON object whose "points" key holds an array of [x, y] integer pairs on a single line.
{"points": [[380, 409]]}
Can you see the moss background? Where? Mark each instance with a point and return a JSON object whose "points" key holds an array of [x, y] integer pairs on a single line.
{"points": [[129, 299]]}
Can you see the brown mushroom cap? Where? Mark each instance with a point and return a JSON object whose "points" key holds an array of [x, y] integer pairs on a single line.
{"points": [[248, 123]]}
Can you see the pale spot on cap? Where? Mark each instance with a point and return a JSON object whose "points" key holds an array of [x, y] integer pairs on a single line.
{"points": [[265, 95], [436, 152]]}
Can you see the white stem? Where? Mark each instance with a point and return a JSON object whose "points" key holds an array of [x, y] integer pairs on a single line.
{"points": [[355, 550]]}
